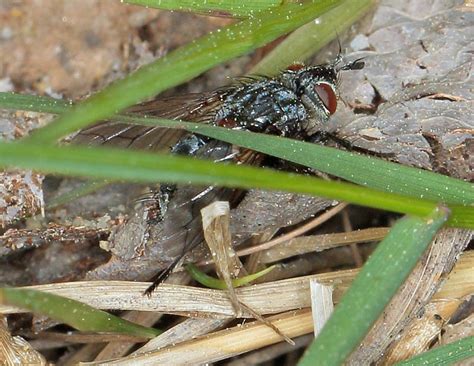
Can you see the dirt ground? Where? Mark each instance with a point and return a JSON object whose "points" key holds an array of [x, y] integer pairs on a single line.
{"points": [[71, 48]]}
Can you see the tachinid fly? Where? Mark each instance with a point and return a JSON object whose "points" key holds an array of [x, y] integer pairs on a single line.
{"points": [[296, 104]]}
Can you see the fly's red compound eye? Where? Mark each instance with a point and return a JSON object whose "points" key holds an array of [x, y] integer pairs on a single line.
{"points": [[327, 96]]}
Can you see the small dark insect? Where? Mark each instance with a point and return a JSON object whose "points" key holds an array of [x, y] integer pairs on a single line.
{"points": [[297, 104]]}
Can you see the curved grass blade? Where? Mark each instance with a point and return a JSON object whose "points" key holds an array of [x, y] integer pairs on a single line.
{"points": [[310, 38], [84, 189], [213, 282], [74, 313], [230, 8], [443, 355], [367, 171], [34, 103], [382, 275], [183, 64], [354, 167], [137, 166]]}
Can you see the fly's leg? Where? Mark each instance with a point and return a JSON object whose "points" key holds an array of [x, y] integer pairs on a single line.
{"points": [[180, 205], [324, 136], [163, 275]]}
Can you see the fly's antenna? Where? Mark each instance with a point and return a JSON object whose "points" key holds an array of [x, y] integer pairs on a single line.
{"points": [[357, 64], [353, 65], [339, 52]]}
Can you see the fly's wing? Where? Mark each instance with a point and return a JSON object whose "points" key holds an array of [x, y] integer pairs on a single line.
{"points": [[180, 229], [191, 107]]}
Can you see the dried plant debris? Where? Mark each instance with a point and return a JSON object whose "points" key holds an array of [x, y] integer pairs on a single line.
{"points": [[21, 193], [215, 222], [15, 240], [422, 331], [412, 297], [15, 350], [21, 196], [184, 331], [322, 304], [454, 332], [266, 298], [455, 287], [316, 243]]}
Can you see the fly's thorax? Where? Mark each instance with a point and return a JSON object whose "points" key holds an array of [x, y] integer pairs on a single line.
{"points": [[264, 105]]}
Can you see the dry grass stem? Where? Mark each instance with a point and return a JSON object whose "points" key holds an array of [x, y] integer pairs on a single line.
{"points": [[225, 343], [186, 330], [422, 331], [215, 222], [300, 231], [318, 243], [266, 298], [15, 350], [416, 292], [322, 304]]}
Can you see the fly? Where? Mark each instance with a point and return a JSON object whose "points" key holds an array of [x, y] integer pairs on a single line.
{"points": [[296, 104]]}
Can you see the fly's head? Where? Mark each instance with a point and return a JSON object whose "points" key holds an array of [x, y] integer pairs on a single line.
{"points": [[317, 88]]}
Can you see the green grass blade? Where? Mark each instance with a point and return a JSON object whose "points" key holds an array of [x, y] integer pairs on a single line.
{"points": [[382, 275], [462, 216], [216, 283], [34, 103], [235, 8], [74, 313], [137, 166], [84, 189], [310, 38], [443, 355], [183, 64], [354, 167], [364, 170]]}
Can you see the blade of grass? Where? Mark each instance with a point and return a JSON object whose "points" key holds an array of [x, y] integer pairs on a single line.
{"points": [[74, 313], [213, 282], [310, 38], [382, 275], [34, 103], [354, 167], [443, 355], [83, 190], [235, 8], [364, 170], [137, 166], [367, 171], [183, 64]]}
